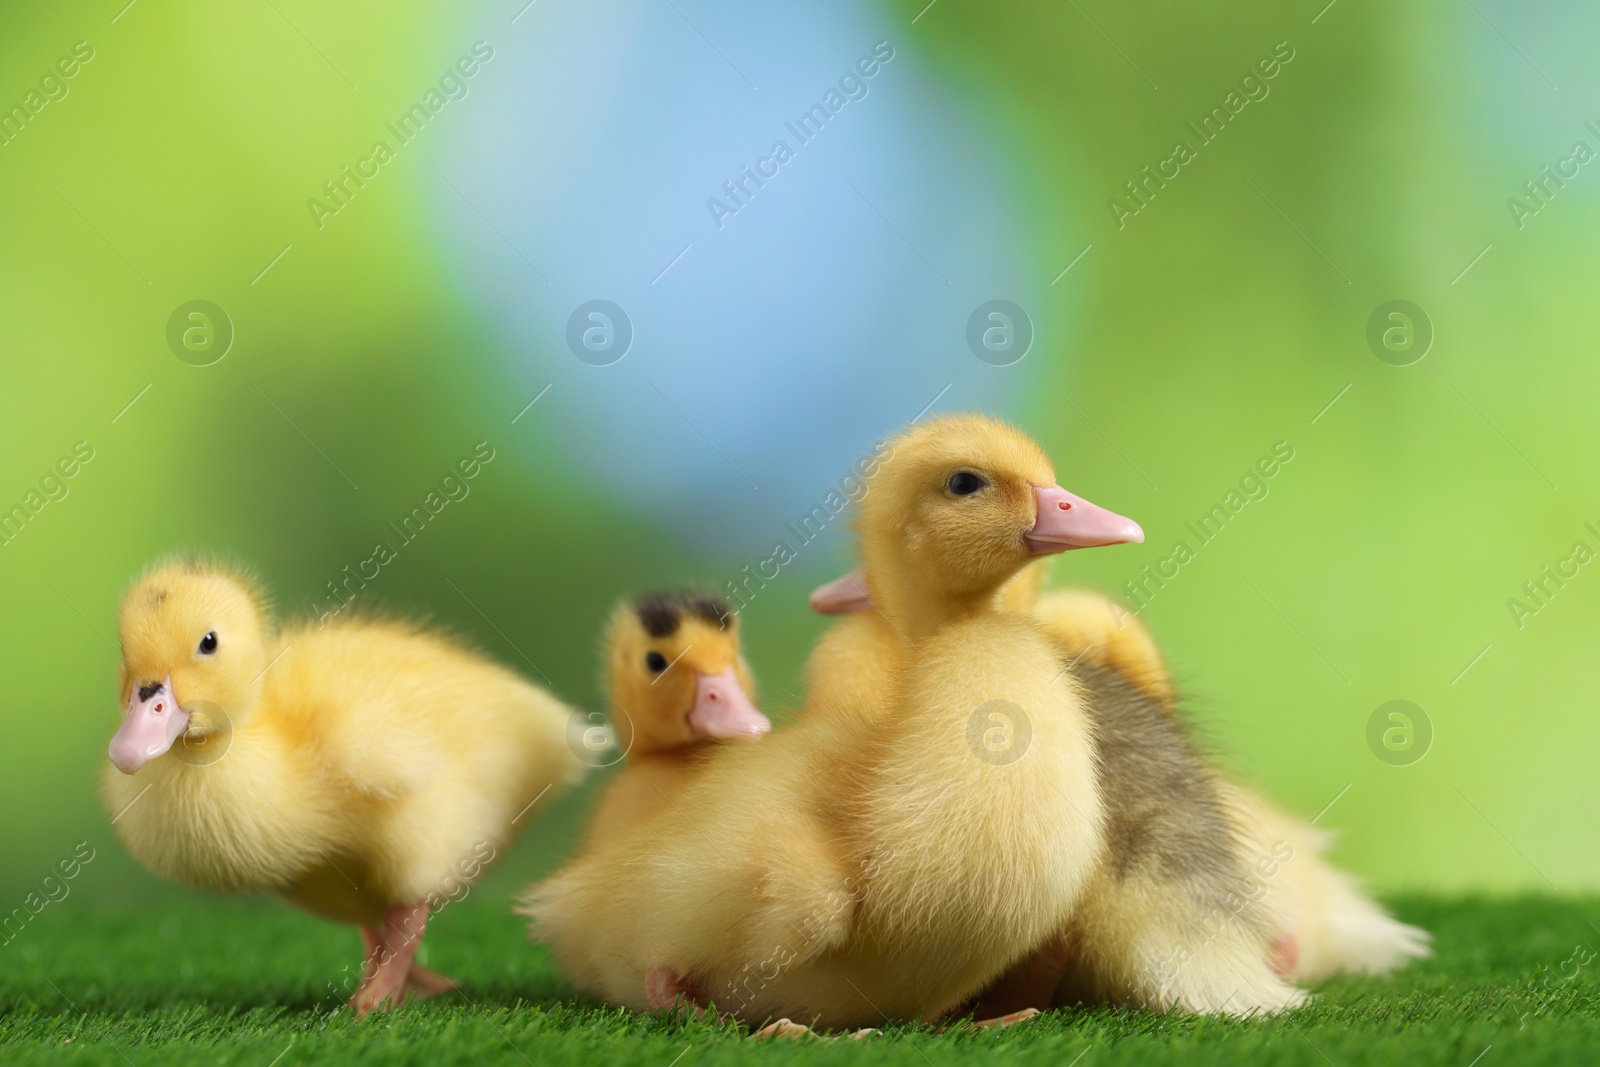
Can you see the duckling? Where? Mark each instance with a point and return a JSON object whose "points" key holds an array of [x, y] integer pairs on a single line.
{"points": [[1270, 888], [884, 863], [364, 771], [1157, 926], [1321, 922], [680, 687]]}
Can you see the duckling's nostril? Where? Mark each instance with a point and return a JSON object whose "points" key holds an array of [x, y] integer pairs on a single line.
{"points": [[1064, 506]]}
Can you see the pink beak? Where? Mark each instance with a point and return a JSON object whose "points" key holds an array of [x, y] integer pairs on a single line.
{"points": [[842, 595], [1067, 521], [722, 710], [149, 728]]}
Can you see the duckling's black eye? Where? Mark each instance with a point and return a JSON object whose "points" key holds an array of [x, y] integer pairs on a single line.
{"points": [[655, 661], [208, 643], [965, 483]]}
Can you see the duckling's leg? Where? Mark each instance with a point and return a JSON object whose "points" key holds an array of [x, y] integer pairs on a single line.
{"points": [[374, 948], [383, 983]]}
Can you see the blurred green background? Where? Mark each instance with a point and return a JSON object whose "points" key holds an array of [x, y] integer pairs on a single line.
{"points": [[1226, 316]]}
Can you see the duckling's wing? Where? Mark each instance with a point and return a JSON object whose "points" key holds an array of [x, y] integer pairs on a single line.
{"points": [[1179, 918]]}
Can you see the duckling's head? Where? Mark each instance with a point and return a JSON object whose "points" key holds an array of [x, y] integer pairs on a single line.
{"points": [[193, 650], [961, 505], [676, 675]]}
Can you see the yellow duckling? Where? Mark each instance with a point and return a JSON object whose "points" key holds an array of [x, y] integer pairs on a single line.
{"points": [[1324, 923], [366, 772], [1134, 940], [880, 864], [680, 687]]}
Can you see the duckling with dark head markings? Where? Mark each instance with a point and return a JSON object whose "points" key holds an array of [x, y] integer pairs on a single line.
{"points": [[679, 687], [874, 864]]}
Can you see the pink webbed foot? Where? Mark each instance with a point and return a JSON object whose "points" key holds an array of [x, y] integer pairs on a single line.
{"points": [[991, 1023], [1010, 1019], [424, 982], [782, 1030], [789, 1030]]}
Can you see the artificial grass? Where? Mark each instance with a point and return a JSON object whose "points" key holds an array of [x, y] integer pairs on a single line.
{"points": [[190, 980]]}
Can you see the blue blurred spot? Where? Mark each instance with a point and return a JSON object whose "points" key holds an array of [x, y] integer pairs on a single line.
{"points": [[770, 345]]}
